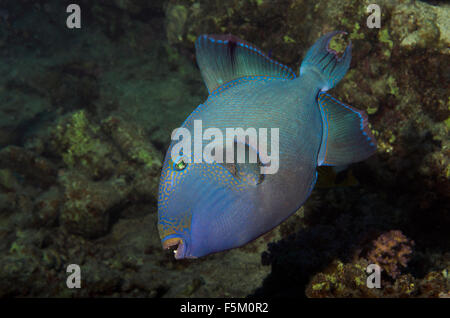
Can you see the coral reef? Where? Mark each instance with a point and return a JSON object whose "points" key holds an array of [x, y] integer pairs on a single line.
{"points": [[342, 280], [349, 280], [85, 118], [391, 251], [81, 146], [36, 169], [87, 204], [119, 166]]}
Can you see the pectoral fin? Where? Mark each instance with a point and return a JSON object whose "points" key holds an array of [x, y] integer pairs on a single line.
{"points": [[346, 135], [247, 170]]}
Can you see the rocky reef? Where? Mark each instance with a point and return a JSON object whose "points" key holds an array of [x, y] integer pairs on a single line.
{"points": [[83, 132]]}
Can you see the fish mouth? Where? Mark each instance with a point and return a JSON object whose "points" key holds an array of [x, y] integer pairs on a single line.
{"points": [[177, 245]]}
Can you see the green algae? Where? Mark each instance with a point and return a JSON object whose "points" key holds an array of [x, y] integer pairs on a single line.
{"points": [[392, 84], [372, 110], [447, 123], [76, 135], [288, 39], [319, 286], [384, 37], [338, 44], [356, 35]]}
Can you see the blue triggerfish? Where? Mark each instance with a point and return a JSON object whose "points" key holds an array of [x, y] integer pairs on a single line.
{"points": [[207, 207]]}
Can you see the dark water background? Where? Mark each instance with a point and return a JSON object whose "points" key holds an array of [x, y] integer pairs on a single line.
{"points": [[86, 116]]}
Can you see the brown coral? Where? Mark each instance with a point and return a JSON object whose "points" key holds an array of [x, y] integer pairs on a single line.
{"points": [[391, 251]]}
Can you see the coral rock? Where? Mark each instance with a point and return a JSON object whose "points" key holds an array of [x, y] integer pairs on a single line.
{"points": [[391, 251], [88, 204]]}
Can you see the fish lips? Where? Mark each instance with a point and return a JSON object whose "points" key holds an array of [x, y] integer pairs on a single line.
{"points": [[178, 245]]}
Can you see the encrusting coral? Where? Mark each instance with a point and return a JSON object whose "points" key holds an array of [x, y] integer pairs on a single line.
{"points": [[82, 145], [115, 158]]}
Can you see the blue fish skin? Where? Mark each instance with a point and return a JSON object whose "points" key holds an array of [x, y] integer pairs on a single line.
{"points": [[205, 208]]}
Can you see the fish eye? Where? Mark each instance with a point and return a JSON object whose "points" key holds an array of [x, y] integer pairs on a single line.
{"points": [[180, 164]]}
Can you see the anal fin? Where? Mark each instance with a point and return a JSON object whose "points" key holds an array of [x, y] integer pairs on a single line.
{"points": [[346, 135]]}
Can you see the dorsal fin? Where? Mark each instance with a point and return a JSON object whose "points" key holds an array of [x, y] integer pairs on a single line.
{"points": [[223, 58]]}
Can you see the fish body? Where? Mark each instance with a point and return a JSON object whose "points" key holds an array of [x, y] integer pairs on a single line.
{"points": [[208, 207]]}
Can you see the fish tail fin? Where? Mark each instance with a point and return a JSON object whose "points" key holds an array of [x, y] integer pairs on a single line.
{"points": [[326, 62], [346, 135]]}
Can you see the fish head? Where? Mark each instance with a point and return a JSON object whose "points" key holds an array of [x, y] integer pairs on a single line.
{"points": [[200, 209]]}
